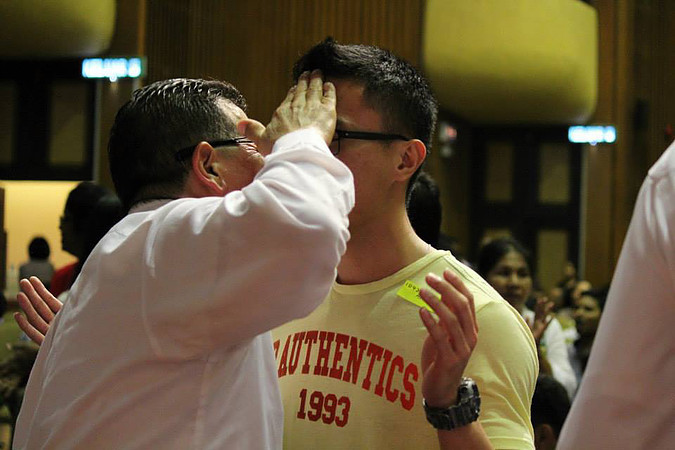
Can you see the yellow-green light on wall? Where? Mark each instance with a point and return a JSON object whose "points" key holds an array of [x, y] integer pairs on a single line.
{"points": [[36, 29], [515, 61]]}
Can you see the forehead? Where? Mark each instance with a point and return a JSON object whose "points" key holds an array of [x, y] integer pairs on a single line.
{"points": [[512, 259], [352, 111]]}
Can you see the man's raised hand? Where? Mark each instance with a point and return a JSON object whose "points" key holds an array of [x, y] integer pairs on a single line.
{"points": [[308, 104], [451, 339], [39, 307]]}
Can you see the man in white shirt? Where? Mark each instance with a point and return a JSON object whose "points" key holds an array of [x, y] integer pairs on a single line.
{"points": [[165, 340]]}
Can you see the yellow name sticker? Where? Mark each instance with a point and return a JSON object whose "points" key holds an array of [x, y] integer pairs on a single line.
{"points": [[410, 292]]}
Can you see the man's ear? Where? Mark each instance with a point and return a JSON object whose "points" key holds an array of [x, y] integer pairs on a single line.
{"points": [[204, 172], [412, 155]]}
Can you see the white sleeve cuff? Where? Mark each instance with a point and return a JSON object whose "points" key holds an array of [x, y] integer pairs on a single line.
{"points": [[306, 137]]}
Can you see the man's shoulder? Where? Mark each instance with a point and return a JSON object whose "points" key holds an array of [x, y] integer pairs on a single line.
{"points": [[664, 167], [483, 294], [497, 319]]}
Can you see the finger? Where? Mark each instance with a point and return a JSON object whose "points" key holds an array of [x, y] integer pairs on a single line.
{"points": [[32, 316], [289, 95], [315, 90], [549, 307], [52, 302], [448, 321], [457, 282], [32, 333], [444, 351], [329, 96], [35, 299], [251, 129], [300, 91], [458, 304]]}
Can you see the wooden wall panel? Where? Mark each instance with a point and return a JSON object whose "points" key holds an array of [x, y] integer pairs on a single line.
{"points": [[636, 92], [610, 174], [129, 40], [253, 44], [654, 81]]}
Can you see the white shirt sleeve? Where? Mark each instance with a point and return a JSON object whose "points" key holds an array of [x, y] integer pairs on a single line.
{"points": [[625, 399], [557, 355], [223, 270]]}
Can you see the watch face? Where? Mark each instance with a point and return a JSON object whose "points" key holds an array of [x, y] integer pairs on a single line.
{"points": [[467, 389], [463, 413]]}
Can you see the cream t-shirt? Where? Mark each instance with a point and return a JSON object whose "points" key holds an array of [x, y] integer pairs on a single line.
{"points": [[350, 372]]}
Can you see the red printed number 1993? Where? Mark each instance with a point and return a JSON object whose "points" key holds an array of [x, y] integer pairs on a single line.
{"points": [[327, 407]]}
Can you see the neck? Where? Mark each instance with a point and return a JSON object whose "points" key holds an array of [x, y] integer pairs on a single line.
{"points": [[380, 248]]}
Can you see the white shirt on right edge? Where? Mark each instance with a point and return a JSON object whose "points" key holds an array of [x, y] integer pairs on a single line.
{"points": [[626, 398]]}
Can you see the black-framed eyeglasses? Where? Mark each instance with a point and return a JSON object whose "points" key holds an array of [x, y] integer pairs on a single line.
{"points": [[186, 153], [362, 135]]}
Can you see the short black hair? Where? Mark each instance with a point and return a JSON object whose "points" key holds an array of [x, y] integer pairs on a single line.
{"points": [[424, 209], [107, 211], [491, 253], [39, 248], [81, 201], [392, 86], [160, 119], [550, 403]]}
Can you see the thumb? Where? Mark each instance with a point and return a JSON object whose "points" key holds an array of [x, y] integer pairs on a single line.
{"points": [[251, 129], [255, 131]]}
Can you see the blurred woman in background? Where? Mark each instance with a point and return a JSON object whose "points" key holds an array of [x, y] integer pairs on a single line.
{"points": [[504, 263]]}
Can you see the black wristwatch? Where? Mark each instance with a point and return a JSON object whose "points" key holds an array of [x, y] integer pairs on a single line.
{"points": [[463, 413]]}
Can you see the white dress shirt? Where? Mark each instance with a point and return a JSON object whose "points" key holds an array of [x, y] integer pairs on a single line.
{"points": [[164, 342]]}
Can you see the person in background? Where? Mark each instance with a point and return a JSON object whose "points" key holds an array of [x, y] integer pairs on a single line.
{"points": [[550, 406], [425, 213], [559, 298], [424, 209], [73, 224], [587, 318], [104, 214], [626, 396], [38, 264], [566, 293], [107, 211], [504, 263]]}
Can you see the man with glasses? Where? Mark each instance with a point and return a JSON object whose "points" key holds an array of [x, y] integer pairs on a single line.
{"points": [[350, 372], [165, 340]]}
